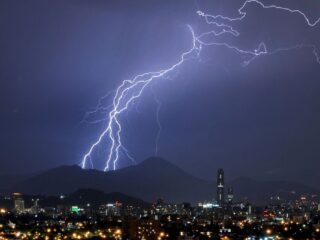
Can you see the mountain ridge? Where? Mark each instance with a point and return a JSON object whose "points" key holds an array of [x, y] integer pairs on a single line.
{"points": [[151, 179]]}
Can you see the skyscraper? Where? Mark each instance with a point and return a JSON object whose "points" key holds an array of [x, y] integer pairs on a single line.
{"points": [[220, 187], [18, 203], [230, 196]]}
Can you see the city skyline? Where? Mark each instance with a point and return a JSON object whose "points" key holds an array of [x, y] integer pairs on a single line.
{"points": [[93, 214]]}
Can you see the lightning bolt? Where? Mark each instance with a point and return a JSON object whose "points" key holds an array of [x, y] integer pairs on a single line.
{"points": [[125, 94], [243, 14], [130, 90], [226, 27]]}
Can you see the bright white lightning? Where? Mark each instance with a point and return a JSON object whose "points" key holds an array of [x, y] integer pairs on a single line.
{"points": [[125, 94], [130, 90], [262, 49], [243, 14]]}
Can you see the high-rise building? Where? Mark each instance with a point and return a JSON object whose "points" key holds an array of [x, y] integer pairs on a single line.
{"points": [[220, 187], [230, 196], [35, 207], [18, 203]]}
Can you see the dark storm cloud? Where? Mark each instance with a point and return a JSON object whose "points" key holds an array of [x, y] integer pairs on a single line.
{"points": [[58, 57]]}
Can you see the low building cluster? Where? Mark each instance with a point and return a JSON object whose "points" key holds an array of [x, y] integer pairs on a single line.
{"points": [[292, 220], [222, 219]]}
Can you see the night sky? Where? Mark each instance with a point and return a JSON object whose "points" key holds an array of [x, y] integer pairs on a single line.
{"points": [[57, 58]]}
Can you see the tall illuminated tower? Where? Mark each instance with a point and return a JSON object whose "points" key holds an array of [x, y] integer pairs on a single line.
{"points": [[220, 187]]}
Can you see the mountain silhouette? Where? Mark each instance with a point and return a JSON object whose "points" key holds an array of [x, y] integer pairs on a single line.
{"points": [[264, 191], [152, 179], [96, 198]]}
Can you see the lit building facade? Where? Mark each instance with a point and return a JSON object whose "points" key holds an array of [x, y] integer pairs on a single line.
{"points": [[220, 187]]}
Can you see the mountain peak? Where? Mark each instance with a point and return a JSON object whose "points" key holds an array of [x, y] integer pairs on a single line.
{"points": [[149, 180], [156, 161]]}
